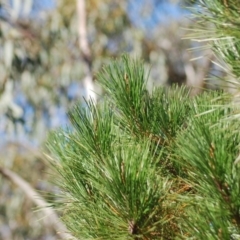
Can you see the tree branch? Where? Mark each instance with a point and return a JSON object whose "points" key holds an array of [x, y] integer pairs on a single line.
{"points": [[82, 32], [50, 214], [85, 49]]}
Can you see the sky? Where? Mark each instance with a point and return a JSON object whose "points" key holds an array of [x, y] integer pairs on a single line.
{"points": [[146, 14]]}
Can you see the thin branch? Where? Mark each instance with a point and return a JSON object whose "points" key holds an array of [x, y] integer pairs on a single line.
{"points": [[50, 214], [82, 32], [85, 49]]}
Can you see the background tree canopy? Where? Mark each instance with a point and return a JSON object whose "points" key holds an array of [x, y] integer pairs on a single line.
{"points": [[50, 54]]}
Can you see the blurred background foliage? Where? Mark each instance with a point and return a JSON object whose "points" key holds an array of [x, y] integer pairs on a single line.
{"points": [[42, 75]]}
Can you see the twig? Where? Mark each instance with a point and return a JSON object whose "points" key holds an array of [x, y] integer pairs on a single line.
{"points": [[39, 201]]}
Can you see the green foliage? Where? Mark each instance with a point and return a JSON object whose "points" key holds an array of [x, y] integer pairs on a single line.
{"points": [[111, 176], [222, 34], [213, 145], [42, 74], [149, 165], [156, 164], [157, 115]]}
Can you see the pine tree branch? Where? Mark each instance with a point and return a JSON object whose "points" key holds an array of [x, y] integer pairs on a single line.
{"points": [[50, 214]]}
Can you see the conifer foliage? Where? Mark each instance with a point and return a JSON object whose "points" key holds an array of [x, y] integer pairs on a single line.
{"points": [[146, 165]]}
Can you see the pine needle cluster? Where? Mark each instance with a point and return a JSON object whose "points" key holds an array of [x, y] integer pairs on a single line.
{"points": [[218, 26], [149, 165], [158, 164]]}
